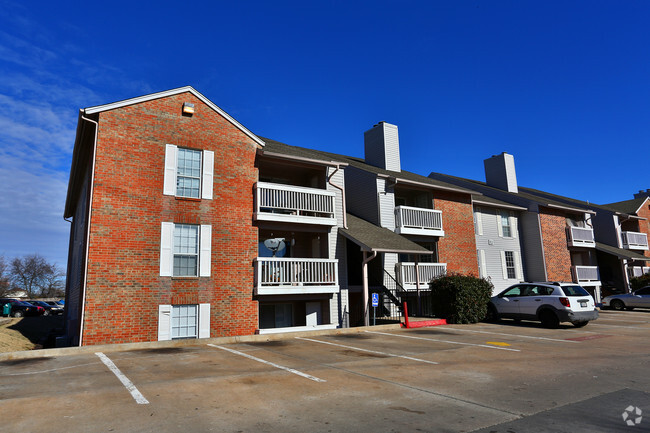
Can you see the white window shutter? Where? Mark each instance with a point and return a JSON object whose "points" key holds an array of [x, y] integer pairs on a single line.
{"points": [[479, 221], [164, 322], [169, 184], [513, 224], [166, 256], [204, 320], [205, 254], [483, 270], [499, 226], [503, 265], [208, 174], [518, 270]]}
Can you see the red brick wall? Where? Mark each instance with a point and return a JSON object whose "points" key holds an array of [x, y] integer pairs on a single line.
{"points": [[644, 226], [556, 253], [458, 247], [124, 288]]}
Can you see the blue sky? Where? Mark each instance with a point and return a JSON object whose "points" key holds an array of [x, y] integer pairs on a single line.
{"points": [[563, 86]]}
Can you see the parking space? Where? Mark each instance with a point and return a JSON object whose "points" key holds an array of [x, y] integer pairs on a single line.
{"points": [[447, 378]]}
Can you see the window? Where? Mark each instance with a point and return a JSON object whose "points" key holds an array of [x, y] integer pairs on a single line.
{"points": [[188, 172], [510, 265], [276, 316], [183, 321], [185, 250], [506, 228]]}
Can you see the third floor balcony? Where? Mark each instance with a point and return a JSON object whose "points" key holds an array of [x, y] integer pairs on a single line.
{"points": [[294, 204], [581, 237], [634, 240]]}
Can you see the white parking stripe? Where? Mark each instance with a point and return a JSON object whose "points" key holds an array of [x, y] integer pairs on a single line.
{"points": [[513, 335], [254, 358], [445, 341], [367, 350], [137, 396]]}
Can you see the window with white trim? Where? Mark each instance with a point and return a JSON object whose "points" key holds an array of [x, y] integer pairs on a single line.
{"points": [[183, 321], [506, 227], [185, 250], [511, 270], [188, 172]]}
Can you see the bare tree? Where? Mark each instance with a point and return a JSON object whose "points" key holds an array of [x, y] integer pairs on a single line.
{"points": [[36, 276], [4, 277]]}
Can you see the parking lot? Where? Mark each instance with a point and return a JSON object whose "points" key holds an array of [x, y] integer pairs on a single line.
{"points": [[504, 377]]}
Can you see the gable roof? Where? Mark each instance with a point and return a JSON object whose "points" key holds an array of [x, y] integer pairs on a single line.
{"points": [[166, 93]]}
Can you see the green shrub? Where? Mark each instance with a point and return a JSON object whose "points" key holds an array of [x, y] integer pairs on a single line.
{"points": [[638, 282], [460, 298]]}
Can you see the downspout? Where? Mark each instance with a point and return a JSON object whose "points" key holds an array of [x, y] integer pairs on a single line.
{"points": [[340, 188], [90, 210], [364, 265]]}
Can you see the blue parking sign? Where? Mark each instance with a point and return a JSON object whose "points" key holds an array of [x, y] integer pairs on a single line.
{"points": [[375, 299]]}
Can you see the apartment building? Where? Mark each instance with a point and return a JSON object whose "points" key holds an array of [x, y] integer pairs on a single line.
{"points": [[557, 239]]}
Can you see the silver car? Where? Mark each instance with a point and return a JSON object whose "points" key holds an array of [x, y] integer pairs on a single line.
{"points": [[640, 298]]}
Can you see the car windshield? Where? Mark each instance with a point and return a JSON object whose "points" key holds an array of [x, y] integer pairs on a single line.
{"points": [[574, 291]]}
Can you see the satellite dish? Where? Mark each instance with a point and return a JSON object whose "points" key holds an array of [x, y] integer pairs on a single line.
{"points": [[275, 244]]}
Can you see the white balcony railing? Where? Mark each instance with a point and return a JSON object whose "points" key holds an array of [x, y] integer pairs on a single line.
{"points": [[281, 275], [418, 221], [288, 203], [638, 271], [427, 271], [581, 237], [635, 240], [586, 274]]}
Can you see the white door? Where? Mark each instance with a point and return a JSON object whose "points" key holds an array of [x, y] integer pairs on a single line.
{"points": [[313, 313]]}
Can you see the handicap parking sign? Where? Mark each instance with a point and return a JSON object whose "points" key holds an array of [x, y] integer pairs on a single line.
{"points": [[375, 299]]}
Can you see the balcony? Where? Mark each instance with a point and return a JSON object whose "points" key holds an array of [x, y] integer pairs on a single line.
{"points": [[286, 276], [427, 271], [586, 274], [294, 204], [638, 271], [580, 237], [634, 240], [418, 221]]}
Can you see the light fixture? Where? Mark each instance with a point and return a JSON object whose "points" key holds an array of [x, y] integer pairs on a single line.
{"points": [[188, 108]]}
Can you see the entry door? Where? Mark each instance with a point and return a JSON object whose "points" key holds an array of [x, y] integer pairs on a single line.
{"points": [[313, 311]]}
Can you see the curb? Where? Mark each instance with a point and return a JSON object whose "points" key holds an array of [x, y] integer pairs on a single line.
{"points": [[124, 347]]}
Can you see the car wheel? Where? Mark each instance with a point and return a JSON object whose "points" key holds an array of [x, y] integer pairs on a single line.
{"points": [[18, 314], [47, 313], [492, 315], [549, 319], [617, 304], [580, 324]]}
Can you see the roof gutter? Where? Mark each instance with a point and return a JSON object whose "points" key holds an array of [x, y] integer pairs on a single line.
{"points": [[303, 159], [397, 180], [557, 206]]}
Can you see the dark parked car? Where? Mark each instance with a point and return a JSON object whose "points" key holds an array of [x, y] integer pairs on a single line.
{"points": [[21, 309], [49, 308]]}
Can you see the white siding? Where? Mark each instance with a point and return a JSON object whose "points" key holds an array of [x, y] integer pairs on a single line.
{"points": [[386, 203], [491, 246]]}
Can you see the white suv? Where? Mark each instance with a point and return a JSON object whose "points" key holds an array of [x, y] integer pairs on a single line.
{"points": [[549, 303]]}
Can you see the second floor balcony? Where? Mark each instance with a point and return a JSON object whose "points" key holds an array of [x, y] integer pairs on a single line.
{"points": [[418, 221], [294, 204], [288, 275], [406, 275], [586, 274], [581, 237], [634, 240]]}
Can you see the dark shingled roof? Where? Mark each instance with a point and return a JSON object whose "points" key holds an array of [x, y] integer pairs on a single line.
{"points": [[489, 201], [372, 238], [627, 206], [301, 152], [621, 253]]}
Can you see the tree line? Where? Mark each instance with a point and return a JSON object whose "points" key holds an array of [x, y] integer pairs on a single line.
{"points": [[32, 274]]}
